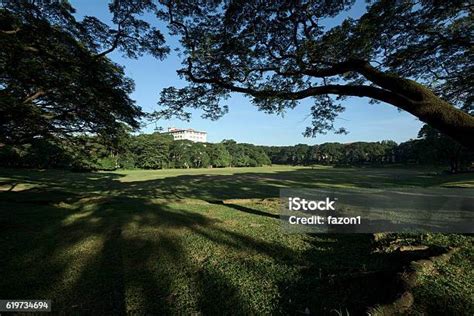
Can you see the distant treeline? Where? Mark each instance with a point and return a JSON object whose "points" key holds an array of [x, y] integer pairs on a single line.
{"points": [[334, 153], [160, 151], [431, 148]]}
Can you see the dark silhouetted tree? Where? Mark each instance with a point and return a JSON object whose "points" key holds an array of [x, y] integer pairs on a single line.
{"points": [[56, 78]]}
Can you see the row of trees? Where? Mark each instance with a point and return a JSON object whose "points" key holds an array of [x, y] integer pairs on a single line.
{"points": [[160, 151], [146, 151], [334, 153], [431, 148]]}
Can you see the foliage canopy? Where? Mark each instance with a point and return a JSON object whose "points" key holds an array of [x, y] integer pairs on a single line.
{"points": [[414, 55], [56, 79]]}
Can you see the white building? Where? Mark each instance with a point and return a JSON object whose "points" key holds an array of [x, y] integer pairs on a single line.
{"points": [[189, 134]]}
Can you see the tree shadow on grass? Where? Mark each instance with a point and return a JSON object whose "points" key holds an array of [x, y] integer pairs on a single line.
{"points": [[116, 256], [244, 209], [122, 253], [219, 187], [267, 185], [345, 275], [75, 182]]}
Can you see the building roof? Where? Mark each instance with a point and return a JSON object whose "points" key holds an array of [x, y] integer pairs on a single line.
{"points": [[175, 130]]}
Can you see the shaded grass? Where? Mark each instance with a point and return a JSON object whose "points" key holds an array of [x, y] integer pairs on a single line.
{"points": [[164, 242], [450, 287]]}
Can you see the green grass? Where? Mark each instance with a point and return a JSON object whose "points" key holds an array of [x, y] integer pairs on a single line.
{"points": [[154, 242]]}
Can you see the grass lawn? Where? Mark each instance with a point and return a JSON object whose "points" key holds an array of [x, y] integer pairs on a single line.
{"points": [[207, 241]]}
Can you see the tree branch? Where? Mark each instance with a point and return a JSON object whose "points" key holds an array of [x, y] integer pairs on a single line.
{"points": [[34, 96], [115, 43], [11, 31], [349, 90], [335, 69]]}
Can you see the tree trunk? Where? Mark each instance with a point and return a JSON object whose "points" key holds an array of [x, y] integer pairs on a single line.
{"points": [[424, 104], [445, 118]]}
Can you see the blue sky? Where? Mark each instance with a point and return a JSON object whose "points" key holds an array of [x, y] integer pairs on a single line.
{"points": [[244, 123]]}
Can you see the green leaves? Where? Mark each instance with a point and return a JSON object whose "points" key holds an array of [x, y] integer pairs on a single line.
{"points": [[280, 52], [56, 79]]}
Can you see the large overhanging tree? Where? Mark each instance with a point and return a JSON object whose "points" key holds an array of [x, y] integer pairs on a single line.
{"points": [[415, 55], [56, 79]]}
